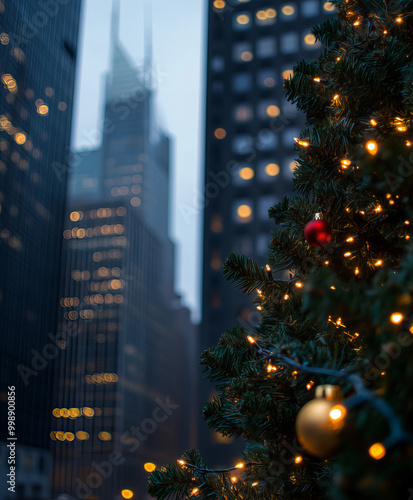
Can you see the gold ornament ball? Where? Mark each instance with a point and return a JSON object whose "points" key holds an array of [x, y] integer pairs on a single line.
{"points": [[316, 431]]}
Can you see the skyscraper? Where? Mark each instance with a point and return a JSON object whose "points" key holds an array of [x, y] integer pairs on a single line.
{"points": [[38, 44], [126, 376], [250, 129]]}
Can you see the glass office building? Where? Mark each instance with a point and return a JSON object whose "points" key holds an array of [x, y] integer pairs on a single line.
{"points": [[250, 129], [38, 44], [126, 381]]}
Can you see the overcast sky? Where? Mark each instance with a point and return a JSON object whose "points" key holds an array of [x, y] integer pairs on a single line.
{"points": [[178, 53]]}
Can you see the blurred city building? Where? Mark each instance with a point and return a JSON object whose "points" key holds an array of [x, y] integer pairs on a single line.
{"points": [[250, 129], [38, 45], [128, 369]]}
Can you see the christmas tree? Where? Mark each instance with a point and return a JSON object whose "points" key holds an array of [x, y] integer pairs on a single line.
{"points": [[322, 389]]}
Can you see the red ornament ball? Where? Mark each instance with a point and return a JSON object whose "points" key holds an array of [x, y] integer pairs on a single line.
{"points": [[318, 233]]}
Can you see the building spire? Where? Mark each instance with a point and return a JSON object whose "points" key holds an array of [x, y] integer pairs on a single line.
{"points": [[148, 43], [114, 28]]}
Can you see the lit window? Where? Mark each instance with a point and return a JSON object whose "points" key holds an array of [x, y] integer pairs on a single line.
{"points": [[288, 12], [287, 74], [291, 165], [43, 109], [220, 133], [310, 42], [104, 436], [268, 169], [266, 78], [289, 43], [217, 64], [310, 8], [243, 211], [266, 140], [266, 47], [4, 38], [135, 201], [242, 52], [243, 144], [216, 261], [219, 4], [242, 21], [265, 17], [267, 109], [246, 173], [243, 113], [216, 223], [20, 138], [243, 174], [247, 56], [329, 7], [242, 82]]}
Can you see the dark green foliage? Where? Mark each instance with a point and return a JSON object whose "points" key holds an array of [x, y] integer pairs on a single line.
{"points": [[327, 307]]}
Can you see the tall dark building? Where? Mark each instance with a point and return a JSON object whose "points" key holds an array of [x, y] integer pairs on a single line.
{"points": [[126, 380], [250, 129], [38, 44]]}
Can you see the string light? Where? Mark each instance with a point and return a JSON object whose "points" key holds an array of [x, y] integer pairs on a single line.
{"points": [[286, 296], [356, 271], [234, 479], [251, 340], [338, 59], [259, 308], [373, 122], [254, 484], [345, 163], [378, 263], [302, 143], [299, 285], [396, 318], [336, 97], [372, 147], [350, 240], [326, 262], [399, 20], [385, 32], [268, 268], [181, 462], [332, 287], [377, 451], [195, 491], [298, 459], [317, 79], [347, 254], [337, 413], [406, 222], [408, 143], [239, 466]]}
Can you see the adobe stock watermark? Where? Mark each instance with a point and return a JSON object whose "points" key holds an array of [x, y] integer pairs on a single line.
{"points": [[50, 351], [131, 440], [120, 109], [29, 28], [219, 181]]}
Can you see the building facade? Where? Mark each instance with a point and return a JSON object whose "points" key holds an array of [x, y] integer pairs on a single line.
{"points": [[249, 147], [38, 45], [127, 371]]}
